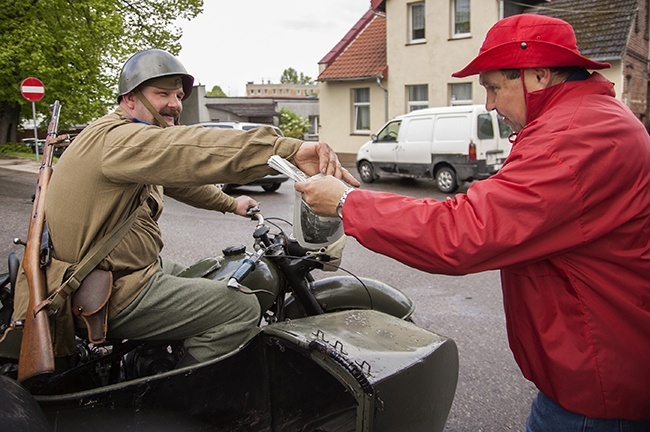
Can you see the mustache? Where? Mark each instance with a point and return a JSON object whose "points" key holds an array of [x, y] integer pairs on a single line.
{"points": [[176, 114], [170, 112]]}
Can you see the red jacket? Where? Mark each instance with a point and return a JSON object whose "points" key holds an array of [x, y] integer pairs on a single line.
{"points": [[567, 220]]}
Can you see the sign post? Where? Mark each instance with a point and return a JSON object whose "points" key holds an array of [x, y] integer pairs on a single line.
{"points": [[33, 90]]}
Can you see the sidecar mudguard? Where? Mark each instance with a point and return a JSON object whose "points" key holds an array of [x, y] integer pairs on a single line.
{"points": [[338, 293]]}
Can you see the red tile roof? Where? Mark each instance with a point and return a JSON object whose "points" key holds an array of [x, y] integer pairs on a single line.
{"points": [[361, 54]]}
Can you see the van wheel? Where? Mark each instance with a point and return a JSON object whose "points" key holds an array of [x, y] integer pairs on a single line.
{"points": [[366, 172], [446, 180]]}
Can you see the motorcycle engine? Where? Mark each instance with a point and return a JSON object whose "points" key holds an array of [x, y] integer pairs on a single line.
{"points": [[151, 360]]}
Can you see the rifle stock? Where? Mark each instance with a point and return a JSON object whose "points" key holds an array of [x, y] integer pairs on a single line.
{"points": [[36, 359]]}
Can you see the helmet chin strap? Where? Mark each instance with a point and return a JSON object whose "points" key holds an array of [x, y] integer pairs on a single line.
{"points": [[150, 108]]}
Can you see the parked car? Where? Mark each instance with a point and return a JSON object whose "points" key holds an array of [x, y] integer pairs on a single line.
{"points": [[451, 145], [270, 183], [29, 142]]}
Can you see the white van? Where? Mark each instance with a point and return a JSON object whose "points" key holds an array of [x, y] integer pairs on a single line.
{"points": [[449, 144]]}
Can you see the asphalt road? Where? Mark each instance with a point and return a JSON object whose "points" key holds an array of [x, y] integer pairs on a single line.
{"points": [[492, 396]]}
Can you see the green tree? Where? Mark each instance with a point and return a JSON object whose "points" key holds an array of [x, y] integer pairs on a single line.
{"points": [[292, 125], [291, 76], [76, 49], [216, 92]]}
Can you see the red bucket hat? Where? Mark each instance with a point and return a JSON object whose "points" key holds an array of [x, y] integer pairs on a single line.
{"points": [[528, 41]]}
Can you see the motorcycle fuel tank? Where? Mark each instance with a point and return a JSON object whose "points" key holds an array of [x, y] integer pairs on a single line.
{"points": [[265, 276]]}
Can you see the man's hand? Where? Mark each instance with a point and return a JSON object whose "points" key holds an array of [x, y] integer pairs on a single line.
{"points": [[322, 194], [244, 202], [319, 158]]}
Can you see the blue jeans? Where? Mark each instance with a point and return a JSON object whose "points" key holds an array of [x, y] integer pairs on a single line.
{"points": [[547, 416]]}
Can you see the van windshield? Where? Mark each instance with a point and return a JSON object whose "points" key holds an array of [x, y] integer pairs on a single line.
{"points": [[390, 132]]}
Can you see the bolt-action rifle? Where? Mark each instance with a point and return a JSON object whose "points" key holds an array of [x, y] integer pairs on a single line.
{"points": [[36, 351]]}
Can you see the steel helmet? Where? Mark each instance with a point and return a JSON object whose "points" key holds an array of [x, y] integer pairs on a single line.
{"points": [[528, 41], [149, 64]]}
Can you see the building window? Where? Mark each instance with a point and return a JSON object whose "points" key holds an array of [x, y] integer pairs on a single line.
{"points": [[417, 97], [416, 13], [461, 17], [460, 94], [361, 110]]}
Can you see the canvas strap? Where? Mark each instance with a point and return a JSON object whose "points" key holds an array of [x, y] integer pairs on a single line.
{"points": [[100, 251], [152, 110]]}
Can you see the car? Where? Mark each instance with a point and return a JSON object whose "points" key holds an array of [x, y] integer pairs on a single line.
{"points": [[29, 142], [269, 183]]}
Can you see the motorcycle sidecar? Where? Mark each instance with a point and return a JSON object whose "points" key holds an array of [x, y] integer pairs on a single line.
{"points": [[359, 370]]}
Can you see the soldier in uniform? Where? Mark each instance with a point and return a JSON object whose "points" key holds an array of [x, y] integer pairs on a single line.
{"points": [[123, 163]]}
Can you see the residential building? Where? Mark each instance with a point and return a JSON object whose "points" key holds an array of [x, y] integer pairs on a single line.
{"points": [[281, 90], [400, 55]]}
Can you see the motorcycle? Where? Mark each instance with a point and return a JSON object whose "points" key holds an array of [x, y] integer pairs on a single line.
{"points": [[331, 354]]}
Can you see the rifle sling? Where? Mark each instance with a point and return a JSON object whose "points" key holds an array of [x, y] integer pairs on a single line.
{"points": [[96, 255]]}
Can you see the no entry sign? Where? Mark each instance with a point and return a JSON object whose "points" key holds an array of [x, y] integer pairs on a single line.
{"points": [[32, 89]]}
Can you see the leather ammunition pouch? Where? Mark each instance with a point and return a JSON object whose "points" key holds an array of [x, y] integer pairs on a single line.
{"points": [[90, 305]]}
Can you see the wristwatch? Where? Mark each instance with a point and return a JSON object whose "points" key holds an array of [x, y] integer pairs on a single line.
{"points": [[339, 207]]}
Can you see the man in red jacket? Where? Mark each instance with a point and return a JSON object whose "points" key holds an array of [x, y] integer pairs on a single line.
{"points": [[566, 220]]}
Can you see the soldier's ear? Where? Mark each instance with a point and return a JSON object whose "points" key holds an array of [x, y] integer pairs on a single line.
{"points": [[129, 100]]}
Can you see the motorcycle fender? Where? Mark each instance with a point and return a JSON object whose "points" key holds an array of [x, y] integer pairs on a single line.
{"points": [[338, 293]]}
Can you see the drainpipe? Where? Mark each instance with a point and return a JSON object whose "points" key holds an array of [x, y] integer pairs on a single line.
{"points": [[385, 98]]}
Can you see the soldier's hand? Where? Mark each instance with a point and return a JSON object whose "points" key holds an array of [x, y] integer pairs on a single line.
{"points": [[318, 158], [244, 202]]}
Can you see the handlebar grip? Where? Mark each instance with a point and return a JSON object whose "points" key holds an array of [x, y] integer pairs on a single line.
{"points": [[242, 271]]}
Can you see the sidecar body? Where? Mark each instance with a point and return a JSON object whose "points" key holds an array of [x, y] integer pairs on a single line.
{"points": [[358, 370]]}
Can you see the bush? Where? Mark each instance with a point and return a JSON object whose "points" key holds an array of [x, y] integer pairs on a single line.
{"points": [[292, 125], [13, 148]]}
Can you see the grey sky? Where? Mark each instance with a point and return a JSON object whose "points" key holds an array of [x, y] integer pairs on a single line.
{"points": [[232, 43]]}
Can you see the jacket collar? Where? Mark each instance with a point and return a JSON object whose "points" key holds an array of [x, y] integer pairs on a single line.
{"points": [[540, 101]]}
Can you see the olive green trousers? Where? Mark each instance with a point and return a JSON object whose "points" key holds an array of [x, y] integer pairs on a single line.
{"points": [[209, 317]]}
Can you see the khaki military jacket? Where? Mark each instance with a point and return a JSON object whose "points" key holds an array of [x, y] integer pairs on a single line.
{"points": [[101, 179]]}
